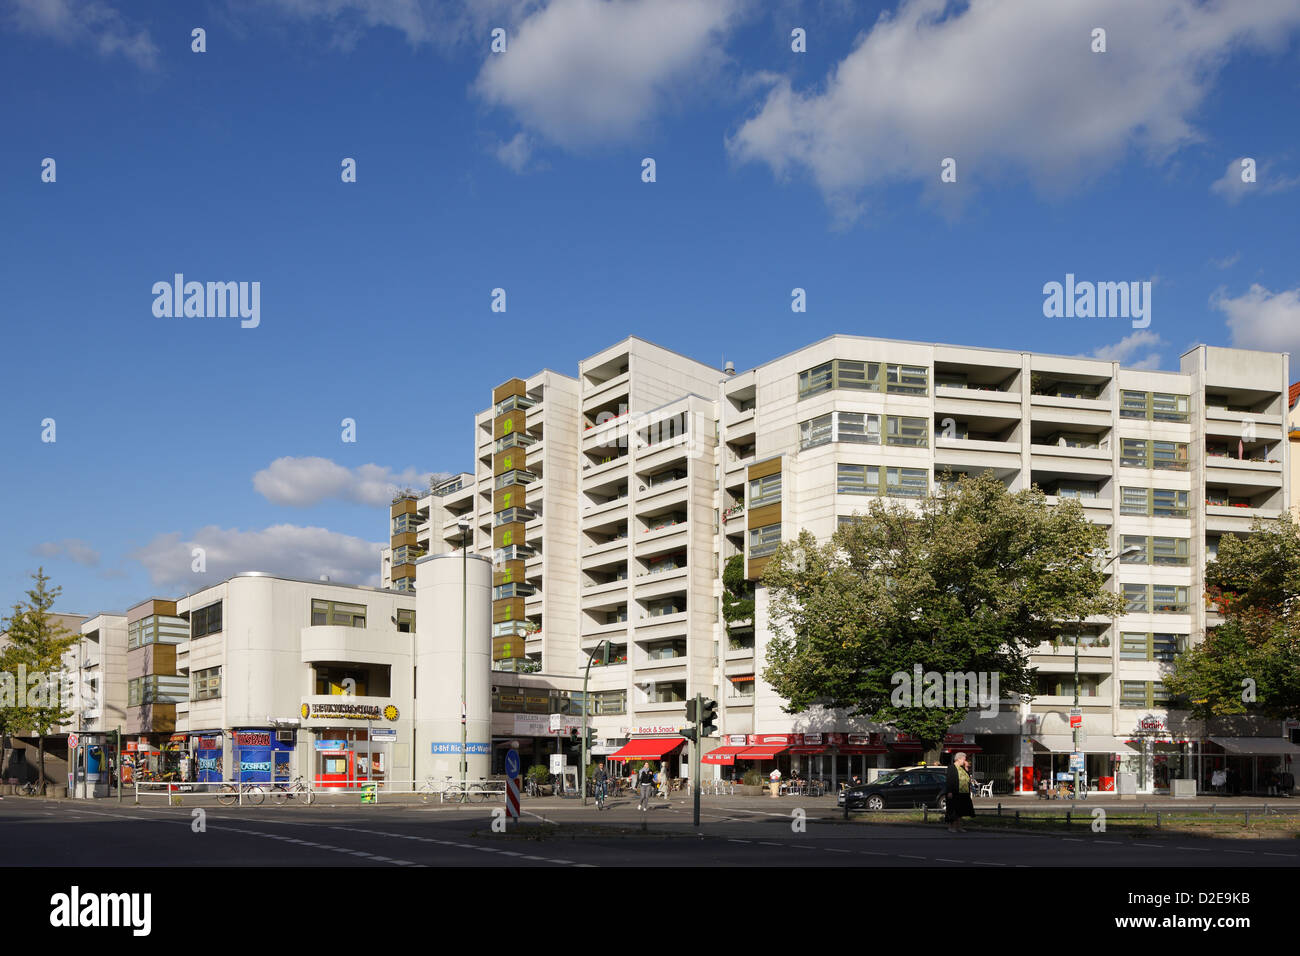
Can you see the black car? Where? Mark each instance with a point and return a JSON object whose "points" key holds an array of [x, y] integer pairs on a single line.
{"points": [[908, 789]]}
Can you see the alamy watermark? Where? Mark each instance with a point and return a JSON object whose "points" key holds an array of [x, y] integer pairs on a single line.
{"points": [[653, 431], [1100, 300], [212, 300], [949, 690], [45, 689]]}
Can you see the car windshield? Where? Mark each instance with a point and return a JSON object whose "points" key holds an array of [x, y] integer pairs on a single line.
{"points": [[888, 776]]}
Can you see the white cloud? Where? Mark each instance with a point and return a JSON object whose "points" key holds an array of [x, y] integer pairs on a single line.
{"points": [[74, 549], [583, 72], [1260, 319], [303, 482], [1230, 186], [1133, 351], [440, 23], [86, 23], [1227, 262], [516, 152], [1006, 88], [287, 550]]}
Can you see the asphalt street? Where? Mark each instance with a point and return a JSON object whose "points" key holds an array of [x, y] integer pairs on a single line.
{"points": [[734, 831]]}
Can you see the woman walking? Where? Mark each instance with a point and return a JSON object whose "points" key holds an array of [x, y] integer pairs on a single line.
{"points": [[957, 793]]}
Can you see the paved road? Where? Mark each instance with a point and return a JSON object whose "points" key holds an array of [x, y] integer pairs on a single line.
{"points": [[734, 832]]}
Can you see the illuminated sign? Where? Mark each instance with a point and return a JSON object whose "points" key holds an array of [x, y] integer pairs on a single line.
{"points": [[349, 711]]}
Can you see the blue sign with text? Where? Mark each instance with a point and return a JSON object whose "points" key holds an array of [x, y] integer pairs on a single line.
{"points": [[441, 747]]}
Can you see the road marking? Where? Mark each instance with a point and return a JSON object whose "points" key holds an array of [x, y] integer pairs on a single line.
{"points": [[908, 856], [941, 859], [832, 849]]}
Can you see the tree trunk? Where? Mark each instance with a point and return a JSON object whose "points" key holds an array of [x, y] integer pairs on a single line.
{"points": [[41, 751], [932, 753]]}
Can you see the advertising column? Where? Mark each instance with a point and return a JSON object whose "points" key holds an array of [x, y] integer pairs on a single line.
{"points": [[439, 663]]}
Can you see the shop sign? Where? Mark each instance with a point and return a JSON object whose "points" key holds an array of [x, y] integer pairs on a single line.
{"points": [[649, 731], [959, 739], [812, 740], [453, 747], [736, 740], [384, 736], [531, 725], [259, 738], [771, 740], [331, 745], [904, 739], [209, 743], [836, 740], [348, 711], [1151, 724]]}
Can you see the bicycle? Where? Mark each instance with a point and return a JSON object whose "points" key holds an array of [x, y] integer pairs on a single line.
{"points": [[293, 791], [30, 789], [229, 794]]}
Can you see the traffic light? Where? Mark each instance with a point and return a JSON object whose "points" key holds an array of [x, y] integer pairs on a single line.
{"points": [[591, 738], [691, 715], [708, 723], [688, 733]]}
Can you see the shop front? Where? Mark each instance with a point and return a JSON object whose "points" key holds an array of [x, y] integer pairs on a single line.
{"points": [[263, 756], [1257, 765], [352, 743], [209, 753]]}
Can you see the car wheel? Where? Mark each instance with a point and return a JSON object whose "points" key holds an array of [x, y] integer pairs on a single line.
{"points": [[875, 802], [942, 804]]}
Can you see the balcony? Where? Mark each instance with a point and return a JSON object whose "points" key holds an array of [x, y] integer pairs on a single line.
{"points": [[360, 645], [596, 393], [976, 454]]}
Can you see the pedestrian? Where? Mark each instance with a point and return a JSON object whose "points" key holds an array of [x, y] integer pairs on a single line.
{"points": [[957, 793], [774, 778], [602, 786], [645, 782]]}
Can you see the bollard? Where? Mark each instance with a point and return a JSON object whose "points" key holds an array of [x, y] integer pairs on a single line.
{"points": [[1248, 819], [1067, 818], [1017, 818], [1157, 819], [999, 808]]}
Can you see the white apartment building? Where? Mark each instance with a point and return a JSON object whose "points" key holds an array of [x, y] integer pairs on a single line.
{"points": [[668, 468]]}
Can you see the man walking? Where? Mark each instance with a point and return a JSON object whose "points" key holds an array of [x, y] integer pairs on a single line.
{"points": [[645, 781]]}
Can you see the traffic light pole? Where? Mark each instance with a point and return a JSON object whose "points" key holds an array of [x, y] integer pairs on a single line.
{"points": [[695, 757], [582, 769]]}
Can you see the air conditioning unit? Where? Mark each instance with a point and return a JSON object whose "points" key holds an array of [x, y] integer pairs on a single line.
{"points": [[284, 736]]}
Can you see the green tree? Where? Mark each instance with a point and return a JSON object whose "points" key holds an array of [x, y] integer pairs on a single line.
{"points": [[39, 641], [969, 580], [1249, 664]]}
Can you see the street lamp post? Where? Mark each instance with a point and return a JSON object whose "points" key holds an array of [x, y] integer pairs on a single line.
{"points": [[1074, 731], [582, 766], [466, 526]]}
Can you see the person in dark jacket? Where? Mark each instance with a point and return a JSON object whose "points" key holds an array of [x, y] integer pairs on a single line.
{"points": [[957, 793]]}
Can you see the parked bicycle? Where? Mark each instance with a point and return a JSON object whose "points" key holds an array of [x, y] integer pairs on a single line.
{"points": [[298, 790], [230, 794], [30, 789]]}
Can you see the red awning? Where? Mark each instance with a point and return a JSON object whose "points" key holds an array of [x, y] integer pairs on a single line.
{"points": [[722, 755], [854, 750], [647, 748], [768, 752], [808, 749]]}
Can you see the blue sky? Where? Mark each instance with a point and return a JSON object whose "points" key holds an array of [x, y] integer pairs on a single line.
{"points": [[522, 170]]}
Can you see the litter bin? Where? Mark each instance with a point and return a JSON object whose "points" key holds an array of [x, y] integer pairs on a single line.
{"points": [[368, 793]]}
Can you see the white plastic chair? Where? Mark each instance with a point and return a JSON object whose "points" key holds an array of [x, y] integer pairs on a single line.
{"points": [[986, 789]]}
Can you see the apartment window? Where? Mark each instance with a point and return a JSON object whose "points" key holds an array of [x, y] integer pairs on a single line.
{"points": [[606, 702], [1169, 551], [906, 482], [1133, 693], [207, 684], [665, 650], [1133, 647], [668, 693], [504, 592], [1077, 489], [404, 584], [1165, 647], [907, 379], [1169, 455], [1135, 598], [156, 689], [206, 620], [764, 541], [900, 430], [1167, 503], [1133, 501], [764, 491], [510, 515], [859, 427], [1133, 453], [1137, 557], [816, 380], [1168, 599], [407, 554], [1153, 406], [815, 432], [337, 613], [1168, 408], [134, 692], [1069, 440], [858, 479], [863, 376], [406, 620]]}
